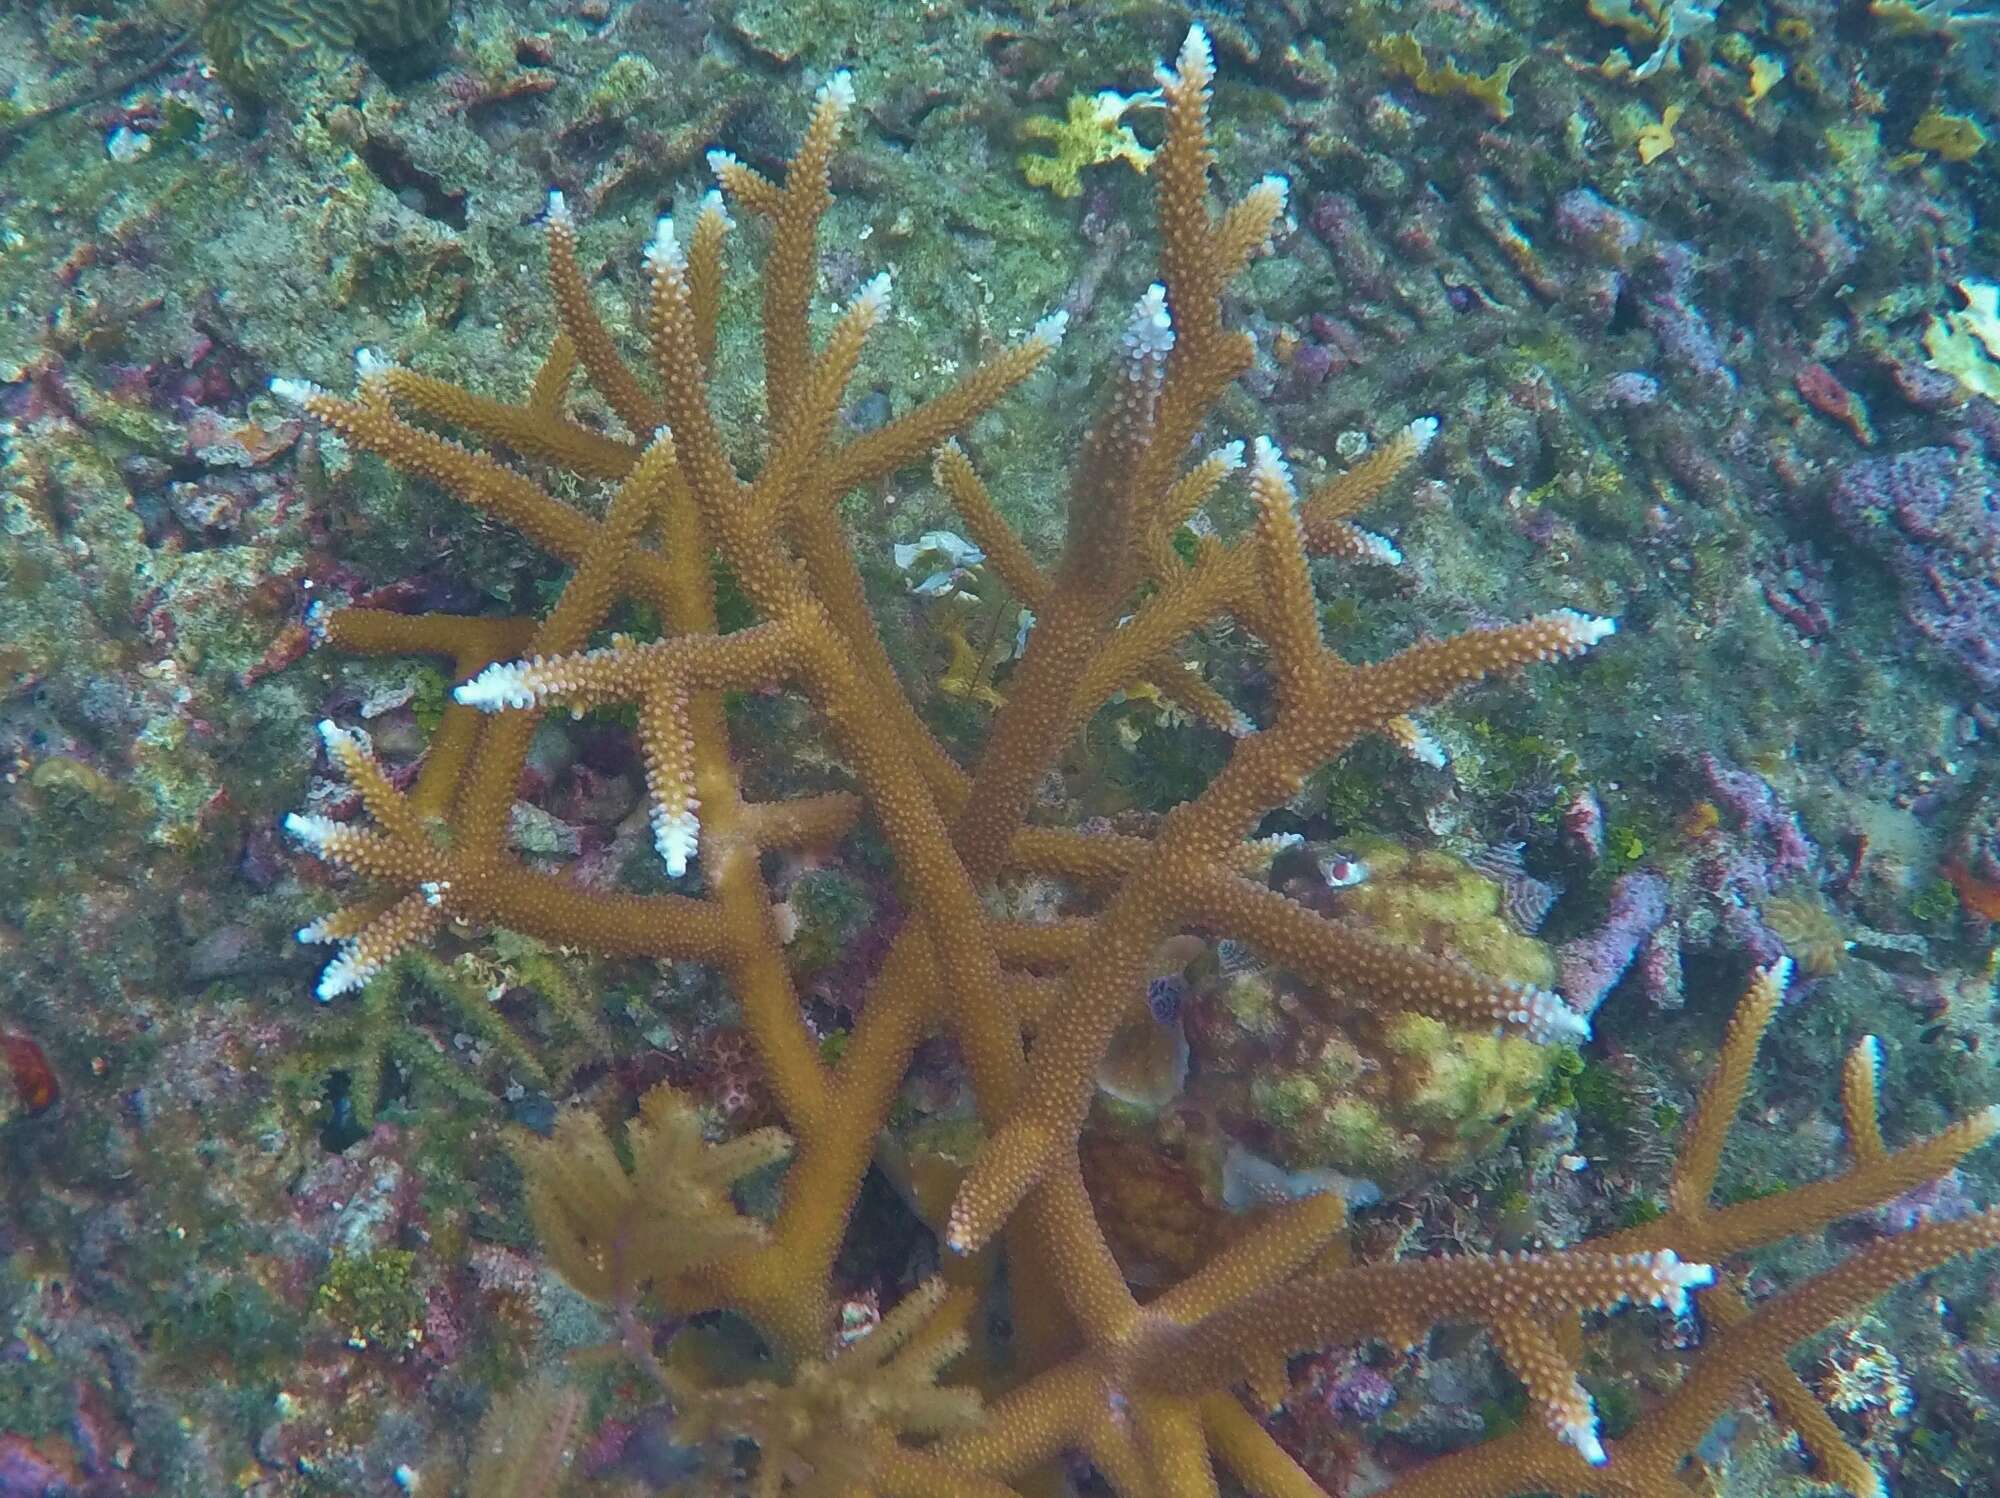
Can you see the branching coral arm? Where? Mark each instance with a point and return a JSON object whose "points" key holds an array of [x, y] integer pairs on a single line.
{"points": [[1350, 959], [1247, 1450], [587, 334], [1265, 770]]}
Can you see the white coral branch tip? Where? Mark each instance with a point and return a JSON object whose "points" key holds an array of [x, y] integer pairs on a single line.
{"points": [[1279, 186], [1379, 548], [712, 203], [1579, 1429], [503, 684], [676, 835], [1426, 750], [1050, 329], [315, 933], [558, 215], [1267, 463], [340, 740], [1423, 432], [313, 830], [1545, 1016], [1229, 455], [664, 252], [1150, 332], [294, 392], [1194, 67], [344, 974], [1677, 1277], [873, 300], [1585, 630], [721, 162], [837, 91]]}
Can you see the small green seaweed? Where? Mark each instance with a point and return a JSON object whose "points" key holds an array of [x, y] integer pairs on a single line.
{"points": [[1403, 54], [1559, 1091], [373, 1300], [1091, 134], [1637, 1211], [1936, 901]]}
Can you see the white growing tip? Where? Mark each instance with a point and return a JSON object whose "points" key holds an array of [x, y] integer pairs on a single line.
{"points": [[314, 831], [1546, 1018], [663, 251], [370, 362], [313, 933], [294, 392], [676, 834], [1779, 974], [343, 975], [502, 684], [1150, 332], [711, 202], [1380, 548], [1267, 462], [1051, 328], [1679, 1277], [1585, 629], [1194, 66], [1279, 186], [838, 91], [1229, 455], [1581, 1432], [874, 298], [337, 738], [558, 213], [1423, 432], [720, 161], [1426, 750]]}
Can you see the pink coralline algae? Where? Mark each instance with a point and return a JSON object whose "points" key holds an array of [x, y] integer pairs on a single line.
{"points": [[1932, 516], [1765, 821], [1583, 218], [1687, 342], [1629, 389], [1592, 965], [1659, 968], [1583, 826], [1795, 588]]}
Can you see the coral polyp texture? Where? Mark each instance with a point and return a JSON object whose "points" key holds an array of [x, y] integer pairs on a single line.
{"points": [[1159, 1396]]}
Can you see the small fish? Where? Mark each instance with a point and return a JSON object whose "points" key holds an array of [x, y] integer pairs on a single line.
{"points": [[1249, 1182], [1339, 870], [1146, 1063], [34, 1079]]}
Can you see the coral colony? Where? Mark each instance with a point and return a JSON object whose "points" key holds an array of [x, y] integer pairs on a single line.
{"points": [[1161, 1396]]}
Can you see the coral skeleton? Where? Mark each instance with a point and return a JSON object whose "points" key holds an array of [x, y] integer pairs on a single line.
{"points": [[1154, 1395]]}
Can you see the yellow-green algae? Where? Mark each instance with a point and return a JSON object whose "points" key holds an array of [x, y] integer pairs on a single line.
{"points": [[1411, 1097]]}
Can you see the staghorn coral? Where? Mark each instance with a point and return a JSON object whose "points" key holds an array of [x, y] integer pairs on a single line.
{"points": [[1147, 1393], [610, 1231]]}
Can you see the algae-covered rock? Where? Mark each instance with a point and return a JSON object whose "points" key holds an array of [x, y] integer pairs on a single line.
{"points": [[1319, 1081], [254, 42]]}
